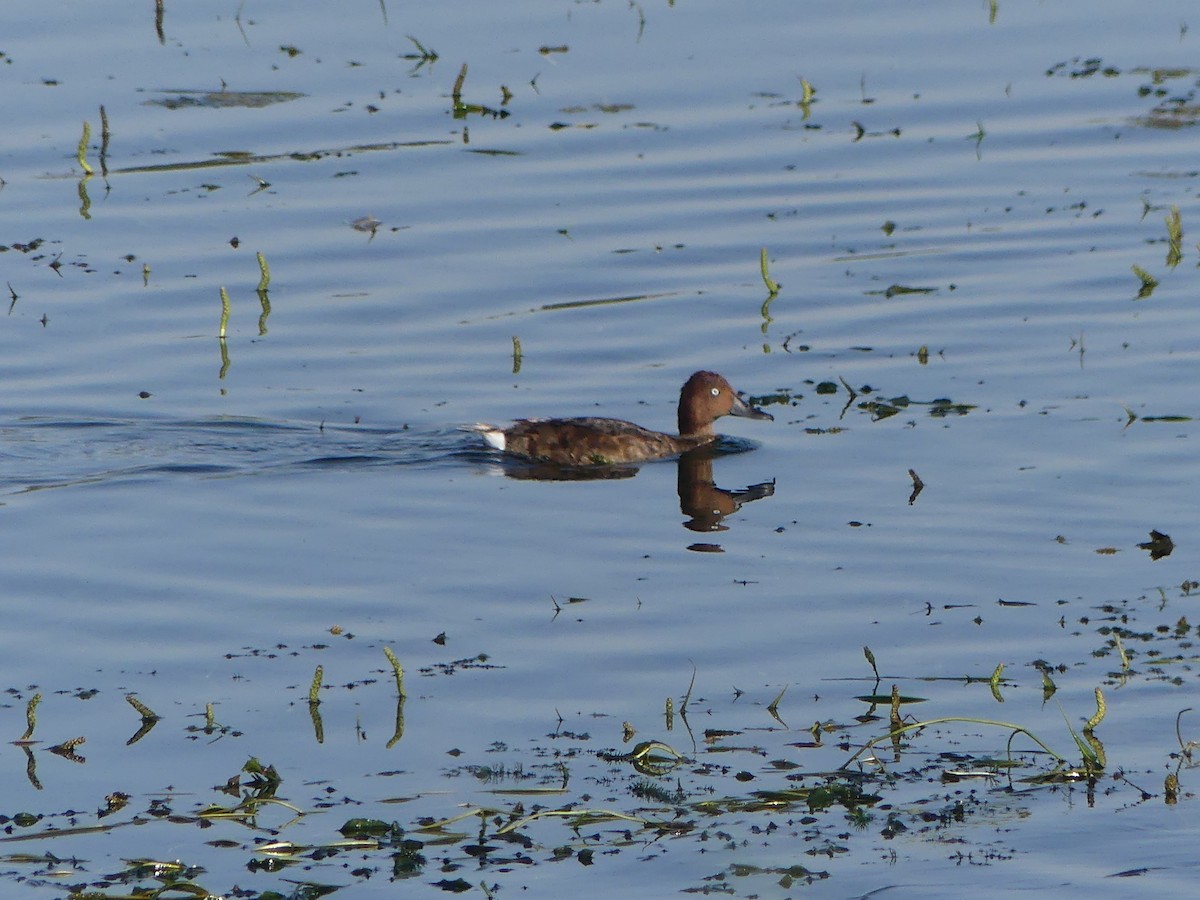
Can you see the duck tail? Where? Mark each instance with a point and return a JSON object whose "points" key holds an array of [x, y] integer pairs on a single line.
{"points": [[492, 435]]}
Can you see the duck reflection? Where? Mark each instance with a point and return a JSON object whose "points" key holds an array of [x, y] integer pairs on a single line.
{"points": [[705, 504], [703, 501]]}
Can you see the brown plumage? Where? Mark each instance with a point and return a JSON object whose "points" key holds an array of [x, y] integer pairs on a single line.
{"points": [[590, 441]]}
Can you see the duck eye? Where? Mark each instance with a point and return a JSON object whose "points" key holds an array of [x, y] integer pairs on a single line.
{"points": [[716, 392]]}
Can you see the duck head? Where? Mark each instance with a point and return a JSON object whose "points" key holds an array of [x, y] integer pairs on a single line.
{"points": [[705, 397]]}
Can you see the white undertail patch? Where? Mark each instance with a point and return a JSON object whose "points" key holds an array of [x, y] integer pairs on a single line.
{"points": [[491, 434]]}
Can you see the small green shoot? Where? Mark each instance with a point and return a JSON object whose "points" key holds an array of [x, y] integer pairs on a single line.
{"points": [[1101, 712], [1121, 652], [31, 716], [995, 682], [687, 696], [1089, 745], [423, 54], [918, 486], [264, 280], [397, 670], [461, 110], [997, 674], [516, 342], [654, 751], [1048, 686], [456, 93], [807, 96], [871, 659], [314, 690], [978, 137], [772, 285], [773, 707], [262, 776], [225, 307], [81, 153], [1149, 282], [67, 749], [147, 714], [1174, 237]]}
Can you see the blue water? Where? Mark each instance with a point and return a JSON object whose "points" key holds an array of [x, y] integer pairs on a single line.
{"points": [[205, 523]]}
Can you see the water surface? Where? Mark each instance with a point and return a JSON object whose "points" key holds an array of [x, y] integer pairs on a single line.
{"points": [[954, 216]]}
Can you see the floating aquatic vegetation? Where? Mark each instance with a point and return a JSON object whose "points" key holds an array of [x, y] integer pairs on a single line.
{"points": [[189, 99], [1082, 68], [423, 56], [461, 109], [938, 409], [653, 793]]}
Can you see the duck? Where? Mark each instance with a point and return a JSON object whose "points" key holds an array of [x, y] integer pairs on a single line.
{"points": [[594, 441]]}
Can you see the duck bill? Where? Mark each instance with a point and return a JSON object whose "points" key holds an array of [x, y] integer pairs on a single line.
{"points": [[746, 411]]}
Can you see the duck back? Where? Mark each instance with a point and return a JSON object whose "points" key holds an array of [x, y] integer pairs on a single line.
{"points": [[590, 441]]}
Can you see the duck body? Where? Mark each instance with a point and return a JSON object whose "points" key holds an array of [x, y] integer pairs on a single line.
{"points": [[594, 441]]}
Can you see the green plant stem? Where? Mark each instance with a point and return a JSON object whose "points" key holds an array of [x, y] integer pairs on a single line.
{"points": [[225, 307], [1016, 729]]}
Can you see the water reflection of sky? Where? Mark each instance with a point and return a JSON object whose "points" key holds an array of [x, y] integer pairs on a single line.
{"points": [[202, 541]]}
